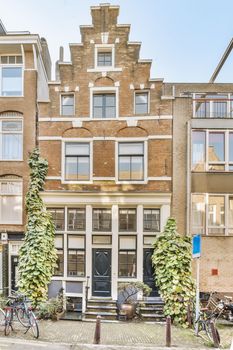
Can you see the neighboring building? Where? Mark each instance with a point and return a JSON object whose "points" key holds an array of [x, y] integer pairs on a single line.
{"points": [[107, 135], [23, 83], [203, 175]]}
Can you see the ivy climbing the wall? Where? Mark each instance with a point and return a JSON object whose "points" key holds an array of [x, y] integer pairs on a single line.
{"points": [[37, 256], [172, 263]]}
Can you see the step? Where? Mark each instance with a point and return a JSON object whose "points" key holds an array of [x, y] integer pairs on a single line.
{"points": [[154, 307], [101, 309], [153, 317], [104, 315]]}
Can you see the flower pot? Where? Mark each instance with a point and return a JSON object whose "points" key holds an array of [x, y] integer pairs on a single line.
{"points": [[128, 310]]}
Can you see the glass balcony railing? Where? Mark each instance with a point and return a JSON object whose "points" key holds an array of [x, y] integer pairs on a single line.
{"points": [[212, 106]]}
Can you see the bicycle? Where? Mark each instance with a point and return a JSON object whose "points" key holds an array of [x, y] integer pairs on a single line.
{"points": [[17, 305]]}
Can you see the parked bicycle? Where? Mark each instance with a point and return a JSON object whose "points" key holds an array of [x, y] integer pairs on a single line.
{"points": [[17, 305], [208, 315]]}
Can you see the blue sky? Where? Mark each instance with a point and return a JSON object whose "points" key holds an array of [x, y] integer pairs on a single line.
{"points": [[185, 38]]}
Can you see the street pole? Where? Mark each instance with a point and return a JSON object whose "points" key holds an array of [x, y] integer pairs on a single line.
{"points": [[197, 295]]}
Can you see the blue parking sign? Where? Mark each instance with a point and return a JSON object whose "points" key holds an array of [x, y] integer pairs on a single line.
{"points": [[196, 246]]}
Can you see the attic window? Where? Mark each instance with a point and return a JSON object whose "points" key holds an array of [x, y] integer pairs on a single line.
{"points": [[104, 58]]}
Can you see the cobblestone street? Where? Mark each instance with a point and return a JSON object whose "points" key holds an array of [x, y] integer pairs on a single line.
{"points": [[128, 334]]}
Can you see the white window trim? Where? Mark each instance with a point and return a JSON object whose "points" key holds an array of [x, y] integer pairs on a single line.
{"points": [[226, 162], [20, 222], [9, 118], [148, 102], [67, 94], [103, 90], [128, 140], [76, 140], [11, 65], [226, 225]]}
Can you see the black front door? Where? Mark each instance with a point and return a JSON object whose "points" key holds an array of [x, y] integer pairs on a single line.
{"points": [[101, 272], [148, 271], [14, 271]]}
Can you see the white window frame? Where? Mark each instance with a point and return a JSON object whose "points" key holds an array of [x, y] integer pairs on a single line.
{"points": [[75, 140], [14, 119], [12, 65], [67, 94], [226, 225], [226, 162], [148, 101], [20, 222], [132, 140], [104, 90]]}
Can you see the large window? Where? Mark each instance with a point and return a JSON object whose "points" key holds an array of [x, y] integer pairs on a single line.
{"points": [[104, 105], [102, 220], [141, 103], [76, 256], [76, 219], [77, 161], [131, 161], [67, 104], [58, 215], [151, 220], [11, 139], [127, 256], [212, 214], [10, 201], [212, 105], [209, 151], [127, 219], [59, 271], [11, 76]]}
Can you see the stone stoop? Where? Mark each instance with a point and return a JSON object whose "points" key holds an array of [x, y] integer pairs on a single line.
{"points": [[107, 309], [152, 310]]}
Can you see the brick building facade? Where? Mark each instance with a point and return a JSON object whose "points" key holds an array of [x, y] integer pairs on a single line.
{"points": [[107, 135], [24, 68], [202, 193]]}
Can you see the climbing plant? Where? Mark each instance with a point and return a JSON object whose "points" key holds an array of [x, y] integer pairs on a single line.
{"points": [[37, 256], [172, 263]]}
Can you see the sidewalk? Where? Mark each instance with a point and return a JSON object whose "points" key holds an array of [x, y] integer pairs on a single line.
{"points": [[20, 344], [79, 336]]}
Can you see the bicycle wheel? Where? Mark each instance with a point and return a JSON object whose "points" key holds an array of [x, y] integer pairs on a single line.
{"points": [[8, 320], [2, 318], [23, 317], [210, 334], [33, 325]]}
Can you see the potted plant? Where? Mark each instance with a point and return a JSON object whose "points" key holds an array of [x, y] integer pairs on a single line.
{"points": [[127, 297]]}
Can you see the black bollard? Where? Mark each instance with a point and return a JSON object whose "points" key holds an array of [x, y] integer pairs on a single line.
{"points": [[168, 331], [215, 334], [97, 330]]}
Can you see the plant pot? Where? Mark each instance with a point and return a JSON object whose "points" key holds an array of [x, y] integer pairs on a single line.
{"points": [[128, 310]]}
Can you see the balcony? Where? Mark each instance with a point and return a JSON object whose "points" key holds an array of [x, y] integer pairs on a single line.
{"points": [[218, 106]]}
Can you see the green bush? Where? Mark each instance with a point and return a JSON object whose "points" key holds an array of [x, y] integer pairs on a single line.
{"points": [[173, 275], [37, 256]]}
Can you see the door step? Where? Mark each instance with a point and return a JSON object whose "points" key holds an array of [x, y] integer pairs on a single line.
{"points": [[152, 310], [107, 309]]}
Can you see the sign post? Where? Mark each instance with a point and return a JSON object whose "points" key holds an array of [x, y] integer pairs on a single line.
{"points": [[196, 255]]}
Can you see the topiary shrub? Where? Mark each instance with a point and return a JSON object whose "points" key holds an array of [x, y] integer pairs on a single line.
{"points": [[173, 276], [37, 256]]}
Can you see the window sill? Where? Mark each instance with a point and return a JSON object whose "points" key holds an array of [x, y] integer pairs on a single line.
{"points": [[76, 182], [104, 69], [11, 160], [127, 182]]}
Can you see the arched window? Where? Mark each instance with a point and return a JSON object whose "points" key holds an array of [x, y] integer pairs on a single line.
{"points": [[11, 189], [11, 136]]}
